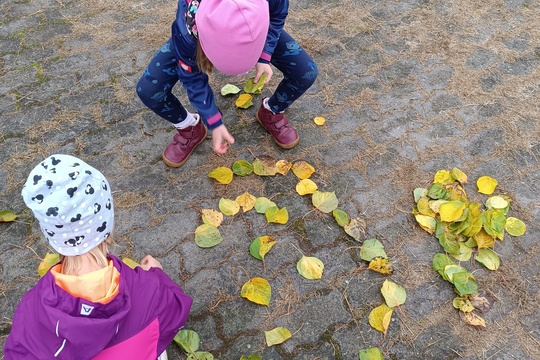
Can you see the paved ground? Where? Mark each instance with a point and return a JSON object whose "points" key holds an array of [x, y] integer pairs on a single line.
{"points": [[407, 88]]}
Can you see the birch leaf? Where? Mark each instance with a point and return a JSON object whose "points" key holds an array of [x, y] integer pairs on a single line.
{"points": [[515, 227], [427, 223], [341, 217], [462, 304], [381, 265], [379, 318], [443, 177], [207, 236], [488, 258], [283, 167], [354, 228], [275, 215], [7, 216], [264, 166], [319, 120], [222, 174], [242, 168], [486, 185], [419, 193], [261, 246], [257, 290], [212, 217], [230, 89], [310, 267], [324, 201], [373, 353], [187, 340], [306, 186], [246, 201], [372, 248], [484, 240], [48, 261], [451, 211], [302, 169], [244, 101], [472, 319], [459, 175], [228, 207], [277, 336], [394, 295], [200, 355], [262, 204], [255, 88]]}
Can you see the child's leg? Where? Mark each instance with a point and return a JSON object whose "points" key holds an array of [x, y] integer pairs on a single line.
{"points": [[155, 91], [155, 86], [299, 72]]}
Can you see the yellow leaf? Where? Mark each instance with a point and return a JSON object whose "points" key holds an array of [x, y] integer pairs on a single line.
{"points": [[257, 290], [47, 263], [7, 216], [379, 318], [275, 215], [310, 267], [261, 246], [306, 186], [393, 294], [459, 175], [246, 201], [244, 101], [302, 169], [264, 166], [131, 263], [212, 217], [277, 336], [228, 207], [255, 88], [435, 205], [472, 319], [319, 120], [452, 210], [462, 304], [497, 202], [443, 177], [381, 265], [222, 174], [486, 185], [283, 167], [426, 222], [484, 240]]}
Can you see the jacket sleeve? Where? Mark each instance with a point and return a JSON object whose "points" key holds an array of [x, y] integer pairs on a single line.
{"points": [[279, 10], [172, 308], [195, 82]]}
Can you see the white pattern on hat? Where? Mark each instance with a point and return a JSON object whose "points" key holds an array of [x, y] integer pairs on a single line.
{"points": [[66, 195]]}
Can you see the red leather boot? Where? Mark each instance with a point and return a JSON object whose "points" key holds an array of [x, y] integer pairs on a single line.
{"points": [[278, 126], [183, 144]]}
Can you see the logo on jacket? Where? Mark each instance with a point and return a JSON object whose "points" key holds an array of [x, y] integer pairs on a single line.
{"points": [[86, 309]]}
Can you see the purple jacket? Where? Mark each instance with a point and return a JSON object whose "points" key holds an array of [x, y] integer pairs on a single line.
{"points": [[138, 323], [196, 82]]}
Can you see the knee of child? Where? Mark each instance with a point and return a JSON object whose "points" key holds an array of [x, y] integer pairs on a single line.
{"points": [[144, 91]]}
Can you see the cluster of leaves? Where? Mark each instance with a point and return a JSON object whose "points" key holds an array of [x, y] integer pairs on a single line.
{"points": [[372, 250], [251, 88], [465, 228], [189, 341]]}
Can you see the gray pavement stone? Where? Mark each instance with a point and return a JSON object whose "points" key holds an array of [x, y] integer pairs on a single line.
{"points": [[14, 79]]}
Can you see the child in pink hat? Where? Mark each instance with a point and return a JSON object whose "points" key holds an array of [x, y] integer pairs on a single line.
{"points": [[233, 36]]}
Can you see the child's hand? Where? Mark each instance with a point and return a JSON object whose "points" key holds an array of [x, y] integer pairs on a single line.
{"points": [[221, 138], [149, 262], [262, 68]]}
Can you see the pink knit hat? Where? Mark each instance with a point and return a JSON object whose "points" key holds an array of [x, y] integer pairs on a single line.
{"points": [[232, 33]]}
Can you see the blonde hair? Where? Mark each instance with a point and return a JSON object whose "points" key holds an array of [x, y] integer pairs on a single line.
{"points": [[203, 63], [98, 255]]}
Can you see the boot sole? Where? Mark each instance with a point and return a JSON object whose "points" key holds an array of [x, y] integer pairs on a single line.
{"points": [[283, 146], [176, 165]]}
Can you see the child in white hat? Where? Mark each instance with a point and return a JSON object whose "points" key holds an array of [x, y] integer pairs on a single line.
{"points": [[90, 305], [233, 36]]}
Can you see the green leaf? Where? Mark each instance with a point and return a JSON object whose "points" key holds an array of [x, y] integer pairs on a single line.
{"points": [[515, 227], [7, 216], [465, 283], [341, 217], [262, 204], [451, 270], [440, 261], [200, 355], [494, 223], [372, 353], [228, 207], [251, 357], [464, 253], [488, 258], [275, 215], [462, 304], [419, 193], [277, 336], [324, 201], [49, 261], [436, 192], [260, 246], [230, 89], [255, 88], [242, 168], [187, 340], [394, 295], [372, 248], [207, 236]]}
